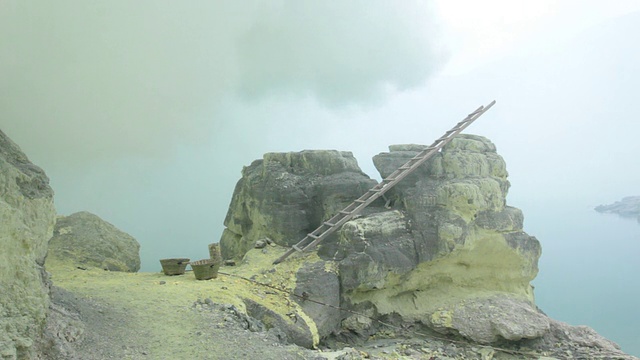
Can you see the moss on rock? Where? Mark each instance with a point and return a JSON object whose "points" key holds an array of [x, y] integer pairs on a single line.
{"points": [[27, 215]]}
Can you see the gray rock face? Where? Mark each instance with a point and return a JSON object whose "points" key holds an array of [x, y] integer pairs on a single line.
{"points": [[373, 245], [628, 207], [87, 240], [447, 243], [485, 320], [575, 342], [319, 282], [449, 250], [27, 217], [296, 331], [286, 195], [35, 183], [446, 251]]}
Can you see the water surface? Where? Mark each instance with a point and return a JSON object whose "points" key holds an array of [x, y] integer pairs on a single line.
{"points": [[589, 269]]}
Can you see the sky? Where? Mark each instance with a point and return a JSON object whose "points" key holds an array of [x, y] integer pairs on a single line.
{"points": [[145, 112]]}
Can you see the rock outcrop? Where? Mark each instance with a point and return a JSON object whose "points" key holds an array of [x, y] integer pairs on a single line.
{"points": [[628, 207], [84, 239], [575, 342], [286, 195], [27, 218], [443, 252], [450, 254], [443, 249]]}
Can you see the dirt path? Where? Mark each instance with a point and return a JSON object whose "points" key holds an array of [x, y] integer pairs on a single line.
{"points": [[151, 316]]}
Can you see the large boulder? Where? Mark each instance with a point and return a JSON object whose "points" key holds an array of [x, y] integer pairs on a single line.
{"points": [[442, 249], [84, 239], [488, 320], [319, 281], [448, 250], [284, 196], [27, 215]]}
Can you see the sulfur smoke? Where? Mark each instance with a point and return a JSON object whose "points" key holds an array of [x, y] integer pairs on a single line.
{"points": [[84, 81]]}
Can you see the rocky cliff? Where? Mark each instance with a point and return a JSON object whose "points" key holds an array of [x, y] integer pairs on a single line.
{"points": [[450, 253], [443, 250], [27, 218]]}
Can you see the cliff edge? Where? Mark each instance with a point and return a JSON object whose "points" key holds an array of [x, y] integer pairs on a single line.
{"points": [[28, 216]]}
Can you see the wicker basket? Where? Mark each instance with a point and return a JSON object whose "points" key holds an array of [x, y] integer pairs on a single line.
{"points": [[205, 269], [174, 266]]}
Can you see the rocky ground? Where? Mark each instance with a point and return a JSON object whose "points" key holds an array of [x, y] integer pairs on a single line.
{"points": [[443, 258], [113, 315]]}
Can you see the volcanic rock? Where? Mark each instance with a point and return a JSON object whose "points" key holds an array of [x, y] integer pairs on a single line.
{"points": [[27, 216], [284, 196], [319, 281], [442, 249], [448, 250], [444, 246], [85, 239]]}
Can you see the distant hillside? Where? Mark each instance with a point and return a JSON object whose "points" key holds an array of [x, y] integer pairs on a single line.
{"points": [[628, 207]]}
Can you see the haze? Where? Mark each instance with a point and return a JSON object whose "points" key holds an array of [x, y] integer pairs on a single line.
{"points": [[145, 112]]}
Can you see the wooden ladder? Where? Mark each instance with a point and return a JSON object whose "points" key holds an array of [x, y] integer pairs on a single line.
{"points": [[330, 226]]}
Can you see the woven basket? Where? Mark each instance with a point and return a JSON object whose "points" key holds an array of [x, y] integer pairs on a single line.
{"points": [[174, 266], [205, 269]]}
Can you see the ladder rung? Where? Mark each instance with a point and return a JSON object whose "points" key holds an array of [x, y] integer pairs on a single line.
{"points": [[296, 248], [329, 224], [310, 246], [346, 212], [359, 201], [312, 236]]}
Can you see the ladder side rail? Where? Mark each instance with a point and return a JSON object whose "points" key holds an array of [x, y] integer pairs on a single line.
{"points": [[424, 155], [344, 220], [440, 143], [337, 220], [287, 253], [367, 198]]}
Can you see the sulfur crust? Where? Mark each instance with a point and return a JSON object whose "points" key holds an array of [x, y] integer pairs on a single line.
{"points": [[164, 312], [485, 265]]}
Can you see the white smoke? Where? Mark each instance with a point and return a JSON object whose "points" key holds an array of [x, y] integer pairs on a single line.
{"points": [[83, 81]]}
